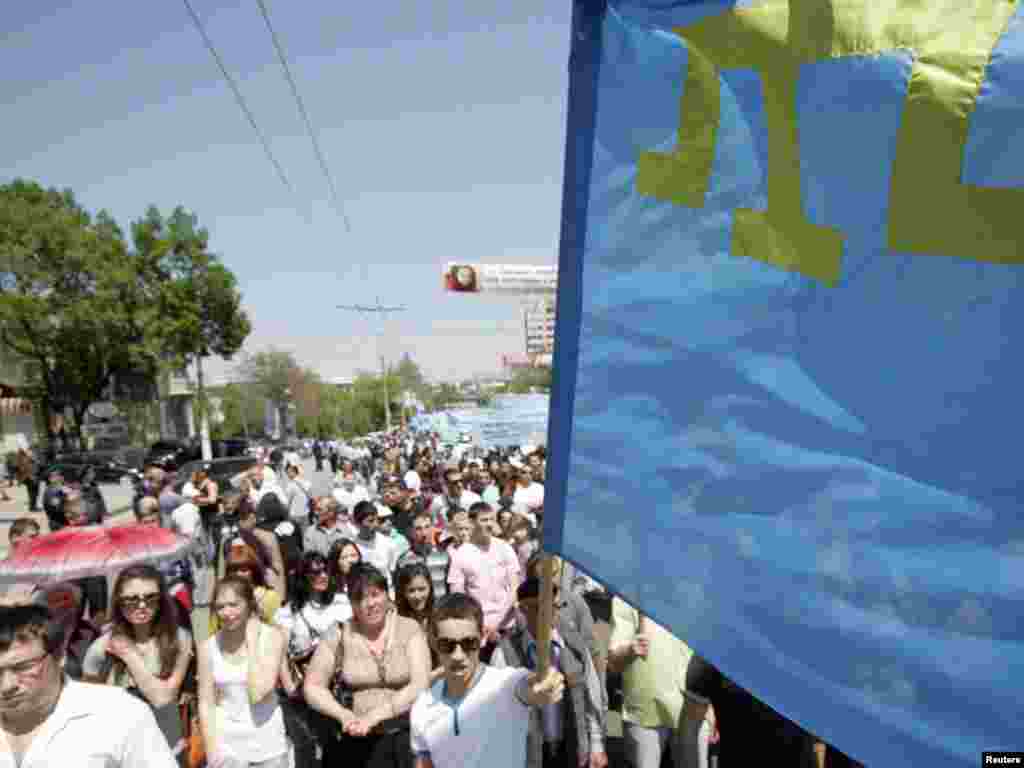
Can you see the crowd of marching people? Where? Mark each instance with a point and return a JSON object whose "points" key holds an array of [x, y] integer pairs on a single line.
{"points": [[389, 623]]}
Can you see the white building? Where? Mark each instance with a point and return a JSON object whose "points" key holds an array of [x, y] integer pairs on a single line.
{"points": [[539, 326], [17, 413]]}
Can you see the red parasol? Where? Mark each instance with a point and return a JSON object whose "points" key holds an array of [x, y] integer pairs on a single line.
{"points": [[91, 550]]}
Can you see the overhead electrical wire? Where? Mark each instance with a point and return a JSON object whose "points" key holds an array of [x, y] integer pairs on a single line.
{"points": [[238, 96], [305, 115]]}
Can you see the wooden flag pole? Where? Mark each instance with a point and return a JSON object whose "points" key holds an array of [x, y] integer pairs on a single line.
{"points": [[545, 614]]}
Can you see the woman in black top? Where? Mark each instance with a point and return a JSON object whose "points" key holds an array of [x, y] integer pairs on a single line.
{"points": [[207, 500]]}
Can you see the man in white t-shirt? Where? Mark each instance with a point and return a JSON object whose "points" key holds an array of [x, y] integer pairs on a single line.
{"points": [[349, 493], [380, 551], [263, 480], [475, 716], [528, 492], [185, 519]]}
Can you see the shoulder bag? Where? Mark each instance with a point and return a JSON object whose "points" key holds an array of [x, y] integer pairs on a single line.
{"points": [[297, 664], [339, 688]]}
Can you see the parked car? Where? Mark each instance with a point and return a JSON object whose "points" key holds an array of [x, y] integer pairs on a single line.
{"points": [[230, 447], [105, 451], [76, 468], [172, 454], [168, 454]]}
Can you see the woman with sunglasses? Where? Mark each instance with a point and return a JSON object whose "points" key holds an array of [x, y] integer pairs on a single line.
{"points": [[146, 651], [315, 607], [239, 711], [382, 660]]}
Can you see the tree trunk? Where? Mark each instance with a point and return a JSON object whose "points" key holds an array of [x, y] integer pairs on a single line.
{"points": [[282, 415], [79, 409], [204, 412]]}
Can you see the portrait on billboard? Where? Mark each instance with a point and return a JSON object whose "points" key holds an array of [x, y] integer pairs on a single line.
{"points": [[462, 278]]}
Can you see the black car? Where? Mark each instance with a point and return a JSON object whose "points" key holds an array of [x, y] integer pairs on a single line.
{"points": [[230, 447], [172, 454], [169, 454], [222, 471], [76, 468]]}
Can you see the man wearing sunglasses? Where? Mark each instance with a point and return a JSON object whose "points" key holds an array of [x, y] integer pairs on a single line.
{"points": [[456, 495], [48, 719], [475, 716]]}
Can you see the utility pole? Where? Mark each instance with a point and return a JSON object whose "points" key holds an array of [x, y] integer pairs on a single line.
{"points": [[381, 310], [204, 416]]}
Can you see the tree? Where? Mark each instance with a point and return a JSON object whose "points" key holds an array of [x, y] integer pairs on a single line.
{"points": [[444, 395], [527, 379], [410, 377], [198, 296], [241, 406], [73, 300], [272, 371], [307, 392]]}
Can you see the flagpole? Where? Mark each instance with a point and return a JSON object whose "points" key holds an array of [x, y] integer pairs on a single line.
{"points": [[547, 609], [641, 625]]}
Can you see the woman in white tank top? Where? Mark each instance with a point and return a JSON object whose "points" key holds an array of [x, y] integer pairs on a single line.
{"points": [[242, 723]]}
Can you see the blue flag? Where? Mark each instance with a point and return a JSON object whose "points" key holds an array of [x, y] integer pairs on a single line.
{"points": [[789, 366]]}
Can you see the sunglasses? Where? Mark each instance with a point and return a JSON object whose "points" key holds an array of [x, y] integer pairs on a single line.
{"points": [[447, 645], [139, 601], [316, 569]]}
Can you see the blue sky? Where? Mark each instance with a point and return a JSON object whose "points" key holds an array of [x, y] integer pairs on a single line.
{"points": [[443, 124]]}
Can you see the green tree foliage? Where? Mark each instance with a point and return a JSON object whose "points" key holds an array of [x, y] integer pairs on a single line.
{"points": [[271, 370], [200, 304], [410, 377], [527, 379], [87, 309], [73, 299], [242, 407], [440, 396]]}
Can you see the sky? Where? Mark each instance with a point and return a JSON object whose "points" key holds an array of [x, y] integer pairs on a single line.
{"points": [[442, 123]]}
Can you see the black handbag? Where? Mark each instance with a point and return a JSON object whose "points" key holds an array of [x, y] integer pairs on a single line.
{"points": [[298, 727]]}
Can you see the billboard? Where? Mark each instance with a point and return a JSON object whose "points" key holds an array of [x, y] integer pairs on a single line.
{"points": [[507, 279]]}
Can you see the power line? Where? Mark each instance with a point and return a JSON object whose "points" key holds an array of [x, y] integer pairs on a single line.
{"points": [[238, 96], [305, 115]]}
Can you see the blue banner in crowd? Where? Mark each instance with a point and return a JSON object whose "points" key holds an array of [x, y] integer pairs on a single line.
{"points": [[786, 417]]}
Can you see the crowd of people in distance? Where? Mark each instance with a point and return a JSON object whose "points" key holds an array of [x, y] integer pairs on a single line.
{"points": [[389, 622]]}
